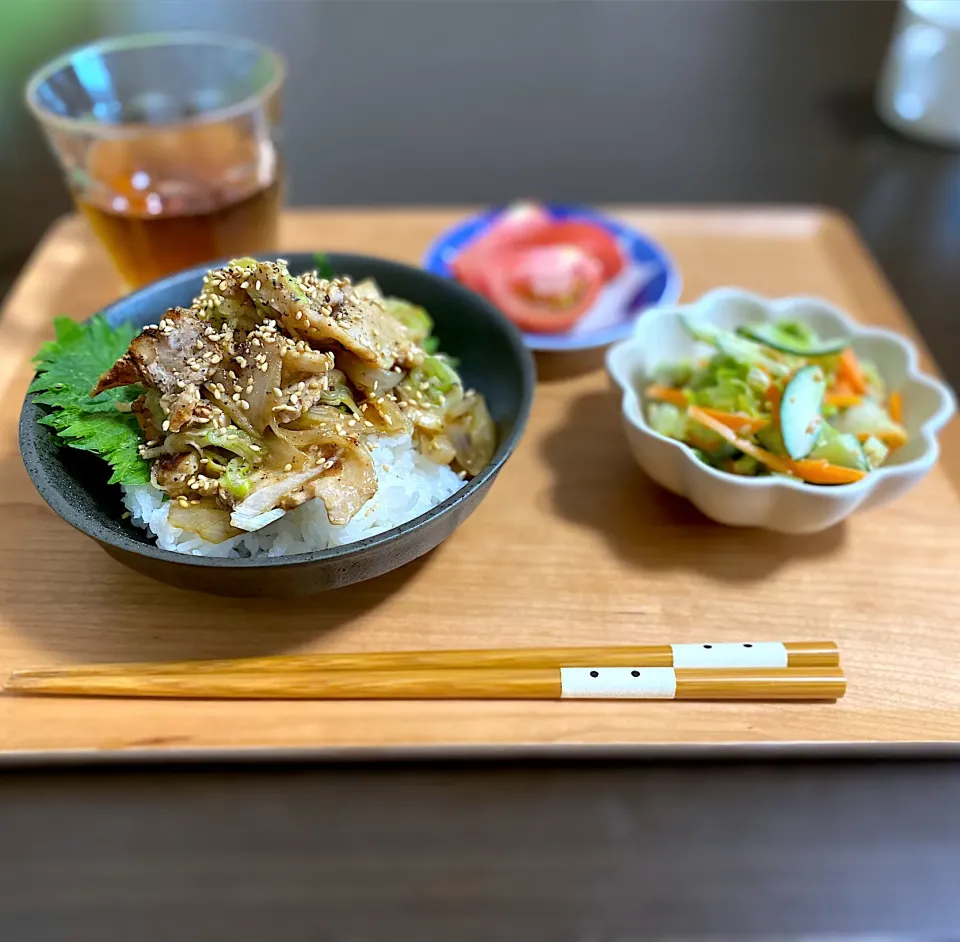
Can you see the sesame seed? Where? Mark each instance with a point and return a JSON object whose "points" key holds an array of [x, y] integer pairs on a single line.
{"points": [[245, 406], [255, 448], [288, 467], [235, 397], [277, 391], [166, 425]]}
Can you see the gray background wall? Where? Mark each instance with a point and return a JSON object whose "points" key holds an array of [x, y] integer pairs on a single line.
{"points": [[445, 101]]}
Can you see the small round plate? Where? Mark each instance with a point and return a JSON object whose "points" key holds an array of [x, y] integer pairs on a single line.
{"points": [[649, 278]]}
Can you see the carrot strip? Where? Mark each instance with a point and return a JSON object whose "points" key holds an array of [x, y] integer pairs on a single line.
{"points": [[773, 395], [701, 443], [741, 424], [819, 471], [893, 439], [848, 370], [665, 394], [895, 407], [811, 470], [747, 447], [744, 424], [842, 400]]}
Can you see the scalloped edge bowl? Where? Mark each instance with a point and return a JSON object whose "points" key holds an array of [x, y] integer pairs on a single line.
{"points": [[776, 503]]}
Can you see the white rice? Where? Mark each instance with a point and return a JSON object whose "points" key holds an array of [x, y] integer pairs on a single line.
{"points": [[407, 485]]}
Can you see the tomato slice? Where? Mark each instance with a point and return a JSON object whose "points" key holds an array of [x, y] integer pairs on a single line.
{"points": [[588, 236], [519, 221], [544, 289]]}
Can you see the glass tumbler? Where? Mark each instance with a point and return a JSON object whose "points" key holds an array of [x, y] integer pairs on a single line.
{"points": [[170, 146]]}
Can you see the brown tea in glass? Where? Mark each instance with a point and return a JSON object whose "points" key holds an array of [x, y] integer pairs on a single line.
{"points": [[169, 145]]}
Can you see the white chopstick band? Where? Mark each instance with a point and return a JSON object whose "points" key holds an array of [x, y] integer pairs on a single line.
{"points": [[726, 654], [618, 683]]}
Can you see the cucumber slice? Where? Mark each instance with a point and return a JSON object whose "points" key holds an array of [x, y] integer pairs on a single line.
{"points": [[770, 336], [800, 411], [732, 345], [840, 449], [868, 418], [875, 452]]}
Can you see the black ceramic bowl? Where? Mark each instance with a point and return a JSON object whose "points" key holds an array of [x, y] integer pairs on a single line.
{"points": [[492, 359]]}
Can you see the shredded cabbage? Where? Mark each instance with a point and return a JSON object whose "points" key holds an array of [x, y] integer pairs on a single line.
{"points": [[417, 321], [667, 419], [236, 478], [868, 418], [875, 451]]}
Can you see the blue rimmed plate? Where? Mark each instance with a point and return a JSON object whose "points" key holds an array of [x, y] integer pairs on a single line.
{"points": [[649, 278]]}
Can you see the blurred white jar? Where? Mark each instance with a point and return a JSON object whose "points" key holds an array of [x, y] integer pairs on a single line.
{"points": [[919, 88]]}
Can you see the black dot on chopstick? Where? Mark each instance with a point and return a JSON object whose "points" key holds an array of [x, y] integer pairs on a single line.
{"points": [[708, 646], [634, 673], [748, 645], [594, 674]]}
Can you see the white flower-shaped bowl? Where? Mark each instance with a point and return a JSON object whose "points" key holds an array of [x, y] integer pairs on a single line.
{"points": [[775, 503]]}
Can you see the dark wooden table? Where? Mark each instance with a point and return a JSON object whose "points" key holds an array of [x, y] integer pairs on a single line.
{"points": [[730, 102]]}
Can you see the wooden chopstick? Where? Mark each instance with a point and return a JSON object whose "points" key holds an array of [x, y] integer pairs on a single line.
{"points": [[797, 654], [544, 683]]}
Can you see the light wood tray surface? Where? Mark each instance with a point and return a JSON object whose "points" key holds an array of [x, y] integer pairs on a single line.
{"points": [[573, 546]]}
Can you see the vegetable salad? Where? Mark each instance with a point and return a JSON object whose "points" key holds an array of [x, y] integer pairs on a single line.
{"points": [[776, 399]]}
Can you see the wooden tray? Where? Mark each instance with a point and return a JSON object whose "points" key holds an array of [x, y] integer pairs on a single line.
{"points": [[572, 546]]}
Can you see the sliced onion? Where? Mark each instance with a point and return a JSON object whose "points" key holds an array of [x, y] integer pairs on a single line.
{"points": [[437, 448], [366, 376], [387, 416], [252, 524], [210, 523], [267, 497], [473, 435]]}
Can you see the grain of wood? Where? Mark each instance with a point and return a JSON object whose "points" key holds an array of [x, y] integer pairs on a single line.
{"points": [[573, 546]]}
